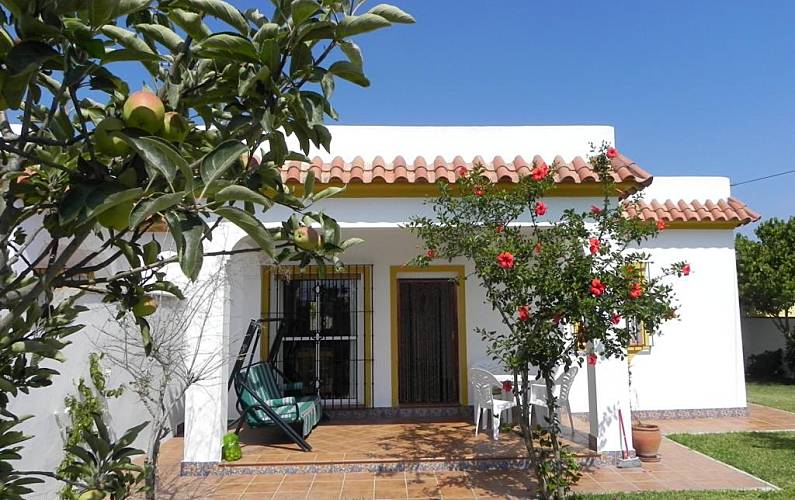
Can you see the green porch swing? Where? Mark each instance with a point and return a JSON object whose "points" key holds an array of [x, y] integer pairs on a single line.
{"points": [[262, 401]]}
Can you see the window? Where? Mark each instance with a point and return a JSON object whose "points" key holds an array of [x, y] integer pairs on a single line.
{"points": [[639, 336]]}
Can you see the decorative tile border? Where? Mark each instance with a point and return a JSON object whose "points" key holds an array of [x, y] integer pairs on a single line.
{"points": [[427, 412], [682, 414], [204, 469], [690, 413]]}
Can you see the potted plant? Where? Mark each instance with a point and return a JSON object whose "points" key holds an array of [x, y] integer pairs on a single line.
{"points": [[646, 437]]}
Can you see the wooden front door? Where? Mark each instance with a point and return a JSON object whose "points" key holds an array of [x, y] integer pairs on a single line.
{"points": [[428, 342]]}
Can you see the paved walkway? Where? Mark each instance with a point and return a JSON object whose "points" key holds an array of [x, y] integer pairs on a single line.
{"points": [[680, 469]]}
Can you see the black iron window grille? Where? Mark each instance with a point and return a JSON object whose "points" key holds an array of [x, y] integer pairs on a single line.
{"points": [[328, 340]]}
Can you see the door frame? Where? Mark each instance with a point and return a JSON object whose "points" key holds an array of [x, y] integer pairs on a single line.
{"points": [[456, 272]]}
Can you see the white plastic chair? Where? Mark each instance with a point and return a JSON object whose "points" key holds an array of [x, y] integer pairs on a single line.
{"points": [[483, 384], [563, 382]]}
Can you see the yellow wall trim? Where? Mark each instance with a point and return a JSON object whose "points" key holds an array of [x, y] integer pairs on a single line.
{"points": [[460, 275], [427, 190]]}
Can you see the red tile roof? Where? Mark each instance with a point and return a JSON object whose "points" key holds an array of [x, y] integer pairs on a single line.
{"points": [[729, 210], [420, 171]]}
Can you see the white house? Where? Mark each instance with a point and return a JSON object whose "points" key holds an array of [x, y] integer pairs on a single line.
{"points": [[360, 360], [350, 331]]}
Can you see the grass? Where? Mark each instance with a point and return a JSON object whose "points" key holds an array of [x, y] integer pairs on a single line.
{"points": [[779, 395], [767, 455]]}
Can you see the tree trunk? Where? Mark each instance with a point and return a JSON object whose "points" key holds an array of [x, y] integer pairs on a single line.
{"points": [[527, 434], [554, 429], [150, 478]]}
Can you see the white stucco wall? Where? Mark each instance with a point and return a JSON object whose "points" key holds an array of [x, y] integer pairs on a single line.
{"points": [[696, 361], [45, 450], [448, 142]]}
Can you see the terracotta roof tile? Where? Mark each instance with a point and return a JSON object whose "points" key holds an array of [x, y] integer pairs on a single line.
{"points": [[419, 171], [728, 210]]}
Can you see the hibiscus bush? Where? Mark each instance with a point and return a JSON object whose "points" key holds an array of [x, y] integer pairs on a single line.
{"points": [[566, 288]]}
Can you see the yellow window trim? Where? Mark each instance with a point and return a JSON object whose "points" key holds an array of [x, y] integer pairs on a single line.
{"points": [[460, 275], [634, 348], [314, 272]]}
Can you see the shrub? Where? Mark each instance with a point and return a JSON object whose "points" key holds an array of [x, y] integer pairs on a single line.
{"points": [[768, 365]]}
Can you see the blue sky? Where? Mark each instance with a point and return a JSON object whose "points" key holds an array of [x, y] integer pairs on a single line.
{"points": [[692, 88]]}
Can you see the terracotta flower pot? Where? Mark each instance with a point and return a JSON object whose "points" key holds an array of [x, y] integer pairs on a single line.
{"points": [[646, 438]]}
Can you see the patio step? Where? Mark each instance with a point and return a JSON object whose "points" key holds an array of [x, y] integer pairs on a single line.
{"points": [[387, 446]]}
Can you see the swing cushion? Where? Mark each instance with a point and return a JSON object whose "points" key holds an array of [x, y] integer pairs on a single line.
{"points": [[259, 377]]}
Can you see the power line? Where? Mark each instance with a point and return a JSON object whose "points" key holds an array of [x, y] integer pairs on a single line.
{"points": [[763, 178]]}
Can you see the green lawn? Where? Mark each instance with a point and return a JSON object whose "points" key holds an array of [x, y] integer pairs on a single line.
{"points": [[775, 394], [767, 455]]}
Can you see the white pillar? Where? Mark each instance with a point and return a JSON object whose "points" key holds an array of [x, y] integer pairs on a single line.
{"points": [[206, 400], [608, 391]]}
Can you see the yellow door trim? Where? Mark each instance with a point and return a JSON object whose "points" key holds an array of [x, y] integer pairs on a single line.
{"points": [[460, 275], [312, 272]]}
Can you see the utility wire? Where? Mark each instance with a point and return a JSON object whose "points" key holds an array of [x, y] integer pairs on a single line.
{"points": [[763, 178]]}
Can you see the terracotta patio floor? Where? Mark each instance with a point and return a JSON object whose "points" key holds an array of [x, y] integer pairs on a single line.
{"points": [[680, 468]]}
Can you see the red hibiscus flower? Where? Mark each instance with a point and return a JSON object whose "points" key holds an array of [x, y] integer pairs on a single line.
{"points": [[594, 245], [505, 260], [592, 359], [686, 269], [507, 386], [478, 191], [597, 287], [635, 291], [595, 210], [540, 208], [612, 152], [615, 318], [431, 253], [500, 228], [660, 225], [537, 248], [539, 172], [524, 313], [462, 171]]}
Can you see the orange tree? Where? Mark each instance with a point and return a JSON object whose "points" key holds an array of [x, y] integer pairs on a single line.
{"points": [[563, 288], [88, 164]]}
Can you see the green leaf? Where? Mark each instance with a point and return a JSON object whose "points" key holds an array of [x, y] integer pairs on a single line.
{"points": [[100, 12], [190, 22], [151, 250], [356, 25], [226, 46], [192, 254], [129, 55], [353, 52], [160, 157], [217, 161], [28, 56], [328, 192], [303, 10], [220, 10], [250, 225], [242, 193], [147, 208], [165, 286], [126, 7], [267, 31], [129, 40], [349, 71], [105, 198], [309, 183], [162, 34], [146, 334], [392, 14]]}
